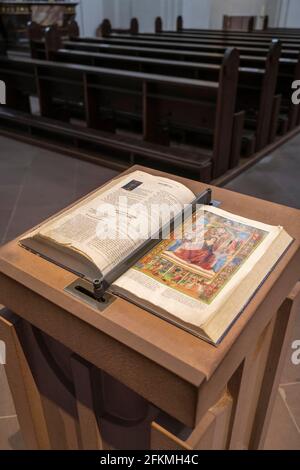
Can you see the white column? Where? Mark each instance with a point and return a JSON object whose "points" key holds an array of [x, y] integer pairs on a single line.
{"points": [[196, 13], [146, 11], [122, 13], [273, 10], [89, 16], [292, 17]]}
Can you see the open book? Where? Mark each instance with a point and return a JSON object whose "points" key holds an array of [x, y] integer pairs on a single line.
{"points": [[200, 276]]}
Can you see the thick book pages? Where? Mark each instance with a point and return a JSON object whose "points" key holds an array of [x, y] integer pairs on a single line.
{"points": [[110, 223], [204, 284], [200, 277]]}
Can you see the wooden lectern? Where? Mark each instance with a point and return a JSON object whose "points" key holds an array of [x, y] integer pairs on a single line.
{"points": [[200, 396]]}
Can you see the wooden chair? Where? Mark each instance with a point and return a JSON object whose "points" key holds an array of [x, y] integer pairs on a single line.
{"points": [[238, 23]]}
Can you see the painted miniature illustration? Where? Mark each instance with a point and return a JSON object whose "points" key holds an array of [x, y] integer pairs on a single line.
{"points": [[202, 262]]}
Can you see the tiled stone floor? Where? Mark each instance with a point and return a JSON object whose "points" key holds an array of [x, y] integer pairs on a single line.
{"points": [[275, 178], [36, 183]]}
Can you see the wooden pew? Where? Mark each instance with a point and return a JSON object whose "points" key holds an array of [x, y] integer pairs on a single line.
{"points": [[162, 53], [259, 94], [264, 79], [73, 30], [284, 86], [179, 23], [105, 28], [100, 147], [265, 24], [253, 38], [255, 35], [132, 49], [158, 25], [291, 44], [246, 61], [217, 38], [192, 40], [3, 44], [35, 31], [148, 41], [106, 99], [245, 45], [270, 31], [289, 40], [289, 71], [40, 48], [285, 30]]}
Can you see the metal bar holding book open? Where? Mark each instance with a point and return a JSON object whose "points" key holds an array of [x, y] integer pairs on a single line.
{"points": [[101, 285], [91, 284]]}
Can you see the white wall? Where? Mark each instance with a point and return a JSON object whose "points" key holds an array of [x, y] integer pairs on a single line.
{"points": [[89, 16], [273, 11], [90, 13], [146, 11], [290, 14], [234, 7], [196, 13], [170, 9], [119, 12], [283, 13]]}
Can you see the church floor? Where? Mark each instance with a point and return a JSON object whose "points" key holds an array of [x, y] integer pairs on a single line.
{"points": [[36, 183], [275, 178]]}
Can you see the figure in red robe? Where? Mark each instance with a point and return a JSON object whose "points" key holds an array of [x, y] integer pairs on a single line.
{"points": [[203, 257]]}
